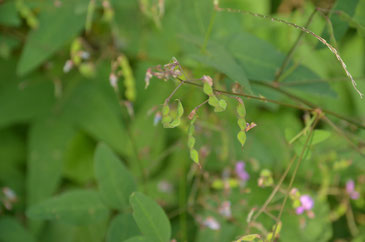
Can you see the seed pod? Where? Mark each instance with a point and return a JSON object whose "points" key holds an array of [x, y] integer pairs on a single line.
{"points": [[241, 112], [168, 120], [219, 105], [129, 81], [194, 155]]}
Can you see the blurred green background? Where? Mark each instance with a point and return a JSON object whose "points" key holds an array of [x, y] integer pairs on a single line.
{"points": [[58, 59]]}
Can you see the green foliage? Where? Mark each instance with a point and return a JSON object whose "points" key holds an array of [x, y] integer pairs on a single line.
{"points": [[81, 137], [116, 184], [150, 218], [76, 207], [122, 228], [12, 231], [41, 44]]}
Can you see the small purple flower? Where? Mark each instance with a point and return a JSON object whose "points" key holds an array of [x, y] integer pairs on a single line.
{"points": [[157, 118], [211, 223], [350, 189], [306, 204], [241, 172]]}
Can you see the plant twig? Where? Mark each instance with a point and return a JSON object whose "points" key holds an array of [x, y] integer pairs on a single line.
{"points": [[301, 156], [276, 189], [264, 99], [293, 49], [343, 134], [323, 41], [309, 104]]}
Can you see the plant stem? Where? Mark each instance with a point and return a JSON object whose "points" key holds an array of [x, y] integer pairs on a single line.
{"points": [[293, 49], [301, 28], [309, 104], [301, 156], [276, 189], [209, 31], [250, 96]]}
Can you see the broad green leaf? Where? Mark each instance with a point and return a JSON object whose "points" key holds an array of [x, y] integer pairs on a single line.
{"points": [[12, 231], [353, 23], [92, 232], [8, 14], [138, 239], [241, 136], [320, 136], [249, 237], [339, 26], [260, 61], [48, 139], [115, 182], [57, 27], [80, 207], [360, 13], [150, 218], [121, 228], [92, 111], [79, 160], [219, 58], [22, 101]]}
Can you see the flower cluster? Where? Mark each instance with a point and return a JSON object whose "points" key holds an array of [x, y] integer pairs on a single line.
{"points": [[302, 203], [168, 71], [241, 172], [350, 189], [8, 198]]}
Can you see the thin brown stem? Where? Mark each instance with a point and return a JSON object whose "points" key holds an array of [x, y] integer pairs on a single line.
{"points": [[167, 100], [351, 220], [249, 96], [323, 41], [276, 189], [293, 49], [309, 104], [343, 134], [301, 156]]}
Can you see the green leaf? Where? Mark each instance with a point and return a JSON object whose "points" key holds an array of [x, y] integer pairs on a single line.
{"points": [[79, 159], [121, 228], [194, 155], [220, 59], [339, 26], [138, 239], [91, 110], [92, 232], [249, 237], [116, 184], [241, 136], [320, 136], [80, 207], [22, 101], [12, 231], [353, 23], [48, 139], [150, 218], [8, 14], [57, 27]]}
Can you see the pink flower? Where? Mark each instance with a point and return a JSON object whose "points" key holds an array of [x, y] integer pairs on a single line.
{"points": [[350, 189], [241, 172], [306, 204], [211, 223]]}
